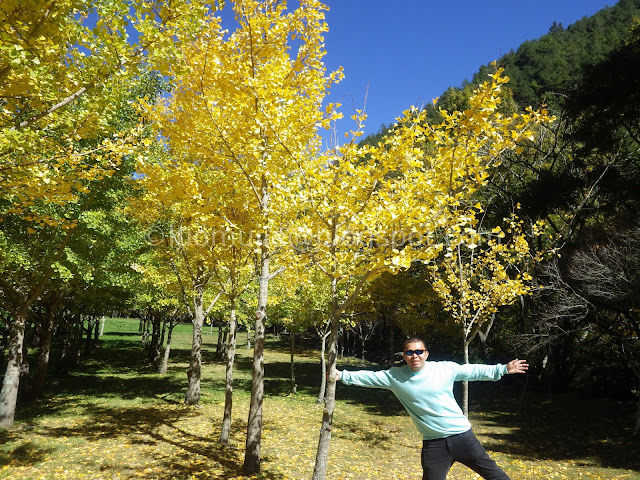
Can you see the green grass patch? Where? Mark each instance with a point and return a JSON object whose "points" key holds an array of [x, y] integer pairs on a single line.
{"points": [[113, 417]]}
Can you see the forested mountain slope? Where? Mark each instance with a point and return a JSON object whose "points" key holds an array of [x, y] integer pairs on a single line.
{"points": [[554, 63]]}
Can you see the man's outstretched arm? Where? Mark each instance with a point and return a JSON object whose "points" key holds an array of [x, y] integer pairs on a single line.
{"points": [[365, 378]]}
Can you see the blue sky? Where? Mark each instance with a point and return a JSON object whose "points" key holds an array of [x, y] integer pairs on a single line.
{"points": [[406, 52]]}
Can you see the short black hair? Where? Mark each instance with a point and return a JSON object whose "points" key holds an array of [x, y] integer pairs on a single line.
{"points": [[413, 340]]}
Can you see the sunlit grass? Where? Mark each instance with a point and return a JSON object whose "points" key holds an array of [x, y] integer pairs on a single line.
{"points": [[113, 417]]}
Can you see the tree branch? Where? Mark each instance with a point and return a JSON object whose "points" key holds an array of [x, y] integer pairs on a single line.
{"points": [[213, 302], [57, 106], [277, 272]]}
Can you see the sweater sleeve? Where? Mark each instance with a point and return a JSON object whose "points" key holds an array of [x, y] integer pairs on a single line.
{"points": [[366, 378], [473, 372]]}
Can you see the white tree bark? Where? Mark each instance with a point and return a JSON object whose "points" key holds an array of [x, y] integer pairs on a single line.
{"points": [[228, 398]]}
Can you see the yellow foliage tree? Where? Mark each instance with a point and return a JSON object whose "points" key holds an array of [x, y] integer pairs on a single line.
{"points": [[246, 105], [372, 209], [157, 297], [196, 224], [480, 271], [65, 67]]}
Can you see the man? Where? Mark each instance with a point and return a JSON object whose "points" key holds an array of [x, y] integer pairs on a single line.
{"points": [[425, 389]]}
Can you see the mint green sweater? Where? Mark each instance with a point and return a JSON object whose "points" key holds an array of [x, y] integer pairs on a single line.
{"points": [[428, 394]]}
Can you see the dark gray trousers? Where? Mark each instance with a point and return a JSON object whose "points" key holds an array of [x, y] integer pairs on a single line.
{"points": [[439, 454]]}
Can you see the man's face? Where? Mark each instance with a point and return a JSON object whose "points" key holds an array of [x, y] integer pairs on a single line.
{"points": [[415, 361]]}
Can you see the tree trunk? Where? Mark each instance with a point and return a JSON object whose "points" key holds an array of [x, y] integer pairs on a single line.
{"points": [[345, 341], [46, 334], [322, 455], [11, 382], [219, 341], [167, 350], [192, 396], [88, 340], [66, 348], [352, 343], [24, 368], [96, 332], [323, 369], [77, 341], [484, 336], [156, 341], [465, 384], [144, 330], [228, 396], [292, 346], [636, 428], [635, 367], [5, 336], [392, 345], [86, 335], [225, 342], [254, 424], [69, 356]]}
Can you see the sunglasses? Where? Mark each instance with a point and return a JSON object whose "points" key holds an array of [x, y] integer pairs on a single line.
{"points": [[409, 353]]}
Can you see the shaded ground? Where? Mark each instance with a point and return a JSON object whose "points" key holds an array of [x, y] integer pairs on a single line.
{"points": [[115, 418]]}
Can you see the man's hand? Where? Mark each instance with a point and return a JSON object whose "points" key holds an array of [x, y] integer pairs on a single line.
{"points": [[337, 376], [517, 366]]}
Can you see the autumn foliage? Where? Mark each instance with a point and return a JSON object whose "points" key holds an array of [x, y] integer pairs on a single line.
{"points": [[229, 177]]}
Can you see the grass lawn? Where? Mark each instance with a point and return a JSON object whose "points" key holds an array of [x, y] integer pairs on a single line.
{"points": [[114, 418]]}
